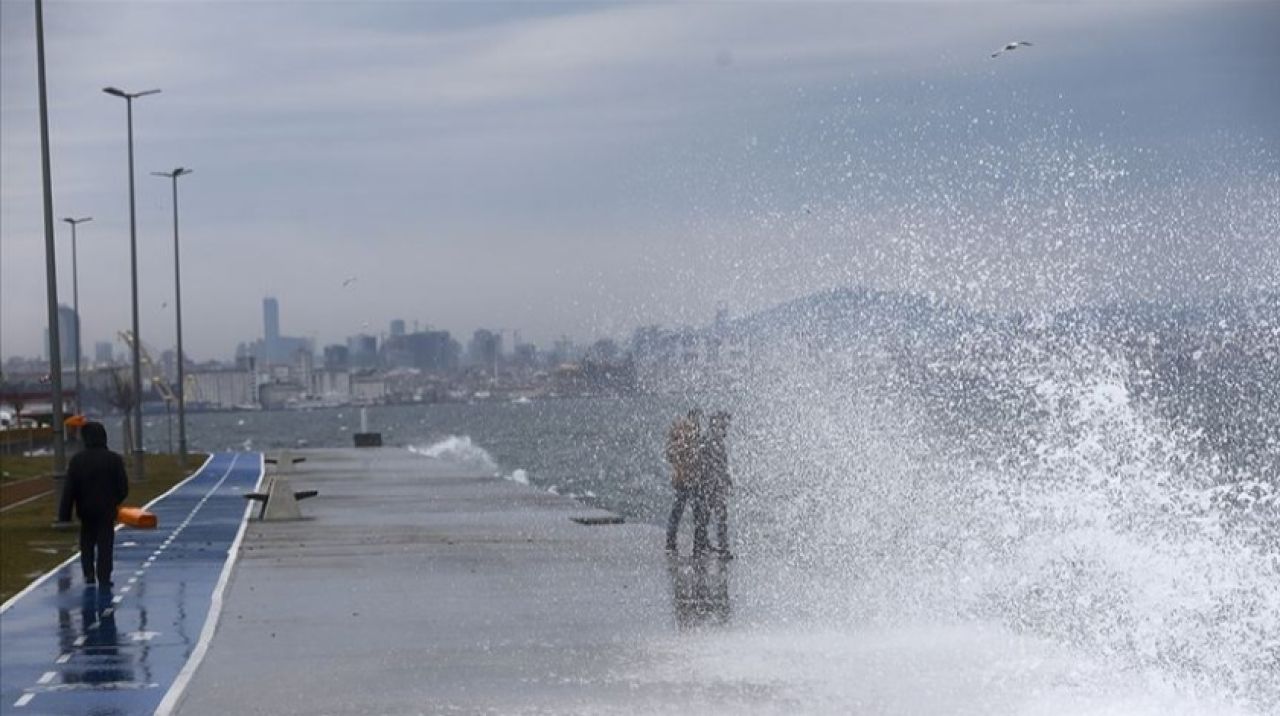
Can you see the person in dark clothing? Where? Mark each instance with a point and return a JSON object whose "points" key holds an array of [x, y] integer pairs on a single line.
{"points": [[714, 484], [96, 485]]}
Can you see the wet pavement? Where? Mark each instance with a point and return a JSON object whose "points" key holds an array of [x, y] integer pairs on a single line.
{"points": [[420, 585], [68, 648]]}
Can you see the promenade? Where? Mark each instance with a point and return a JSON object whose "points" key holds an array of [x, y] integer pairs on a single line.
{"points": [[415, 586]]}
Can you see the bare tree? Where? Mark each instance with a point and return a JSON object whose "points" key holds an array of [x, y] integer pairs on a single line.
{"points": [[120, 396]]}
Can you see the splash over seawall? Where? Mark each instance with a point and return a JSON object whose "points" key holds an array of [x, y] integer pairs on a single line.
{"points": [[1081, 516], [461, 449]]}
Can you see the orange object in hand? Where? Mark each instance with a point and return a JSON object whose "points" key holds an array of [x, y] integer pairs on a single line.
{"points": [[136, 517]]}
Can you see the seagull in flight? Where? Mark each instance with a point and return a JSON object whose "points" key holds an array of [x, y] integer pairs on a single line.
{"points": [[1011, 47], [348, 281]]}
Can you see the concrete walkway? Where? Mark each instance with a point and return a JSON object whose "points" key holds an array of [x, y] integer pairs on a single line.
{"points": [[415, 587]]}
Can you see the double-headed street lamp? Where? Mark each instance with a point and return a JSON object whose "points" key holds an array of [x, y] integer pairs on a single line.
{"points": [[138, 465], [75, 293], [177, 300]]}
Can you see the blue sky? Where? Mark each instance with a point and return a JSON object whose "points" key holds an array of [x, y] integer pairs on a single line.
{"points": [[581, 168]]}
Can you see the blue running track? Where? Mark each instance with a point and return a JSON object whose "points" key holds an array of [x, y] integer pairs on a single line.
{"points": [[66, 648]]}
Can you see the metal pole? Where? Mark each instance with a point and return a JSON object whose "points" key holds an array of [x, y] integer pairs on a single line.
{"points": [[139, 466], [50, 262], [76, 306], [177, 282], [75, 291]]}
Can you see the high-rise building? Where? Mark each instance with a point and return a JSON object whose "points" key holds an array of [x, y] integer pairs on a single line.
{"points": [[363, 350], [485, 348], [102, 353], [337, 357], [397, 327], [270, 320], [68, 329], [276, 349]]}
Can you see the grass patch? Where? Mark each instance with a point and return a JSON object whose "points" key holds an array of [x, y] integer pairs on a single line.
{"points": [[29, 544], [22, 467]]}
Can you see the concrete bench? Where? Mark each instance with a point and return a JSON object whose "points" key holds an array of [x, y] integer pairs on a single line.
{"points": [[280, 500]]}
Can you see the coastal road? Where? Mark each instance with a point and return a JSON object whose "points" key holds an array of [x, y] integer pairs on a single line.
{"points": [[66, 648]]}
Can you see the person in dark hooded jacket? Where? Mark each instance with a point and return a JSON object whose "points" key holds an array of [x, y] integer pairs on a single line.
{"points": [[96, 486]]}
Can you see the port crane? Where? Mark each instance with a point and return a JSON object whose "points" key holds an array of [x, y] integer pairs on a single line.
{"points": [[157, 379]]}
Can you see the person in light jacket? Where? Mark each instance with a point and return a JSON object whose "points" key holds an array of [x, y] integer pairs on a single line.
{"points": [[682, 455]]}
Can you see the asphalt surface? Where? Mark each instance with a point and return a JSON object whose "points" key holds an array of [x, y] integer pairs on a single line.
{"points": [[68, 648]]}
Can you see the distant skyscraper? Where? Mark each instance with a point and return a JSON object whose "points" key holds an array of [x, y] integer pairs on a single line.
{"points": [[68, 327], [362, 350], [337, 357], [485, 348], [102, 353], [397, 327], [270, 321]]}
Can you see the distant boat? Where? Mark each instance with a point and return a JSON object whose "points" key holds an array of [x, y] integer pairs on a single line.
{"points": [[522, 400]]}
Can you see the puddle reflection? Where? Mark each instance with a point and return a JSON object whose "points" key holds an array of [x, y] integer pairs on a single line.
{"points": [[93, 639], [700, 592]]}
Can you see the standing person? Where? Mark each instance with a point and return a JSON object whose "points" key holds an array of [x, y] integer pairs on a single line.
{"points": [[96, 485], [716, 482], [682, 454]]}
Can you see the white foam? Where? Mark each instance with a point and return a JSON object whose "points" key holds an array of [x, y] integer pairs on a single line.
{"points": [[459, 448]]}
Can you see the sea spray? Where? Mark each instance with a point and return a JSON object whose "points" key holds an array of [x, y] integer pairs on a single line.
{"points": [[1080, 514], [460, 449]]}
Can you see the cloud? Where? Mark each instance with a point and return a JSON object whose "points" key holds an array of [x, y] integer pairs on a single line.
{"points": [[477, 160]]}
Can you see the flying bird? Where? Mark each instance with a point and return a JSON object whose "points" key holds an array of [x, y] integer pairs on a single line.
{"points": [[348, 281], [1011, 47]]}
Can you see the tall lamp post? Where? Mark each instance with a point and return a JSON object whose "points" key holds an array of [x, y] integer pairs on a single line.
{"points": [[177, 301], [50, 260], [75, 300], [138, 464]]}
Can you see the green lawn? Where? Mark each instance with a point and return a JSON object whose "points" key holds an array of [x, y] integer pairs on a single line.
{"points": [[30, 546], [19, 467]]}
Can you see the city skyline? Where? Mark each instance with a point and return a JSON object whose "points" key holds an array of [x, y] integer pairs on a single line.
{"points": [[656, 161]]}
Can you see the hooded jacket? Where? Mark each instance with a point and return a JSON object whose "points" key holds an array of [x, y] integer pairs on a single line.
{"points": [[96, 480]]}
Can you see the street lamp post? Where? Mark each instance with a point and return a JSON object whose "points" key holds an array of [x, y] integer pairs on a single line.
{"points": [[138, 465], [50, 260], [177, 301], [75, 300]]}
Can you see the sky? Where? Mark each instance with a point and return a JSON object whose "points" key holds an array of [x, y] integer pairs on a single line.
{"points": [[583, 168]]}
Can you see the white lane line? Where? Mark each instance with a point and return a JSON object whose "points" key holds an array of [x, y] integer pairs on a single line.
{"points": [[80, 640], [125, 589], [47, 677], [174, 694], [63, 659], [133, 580], [137, 572], [47, 575], [23, 700], [117, 600], [108, 611]]}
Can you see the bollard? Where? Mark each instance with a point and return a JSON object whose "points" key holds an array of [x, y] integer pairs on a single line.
{"points": [[364, 438]]}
